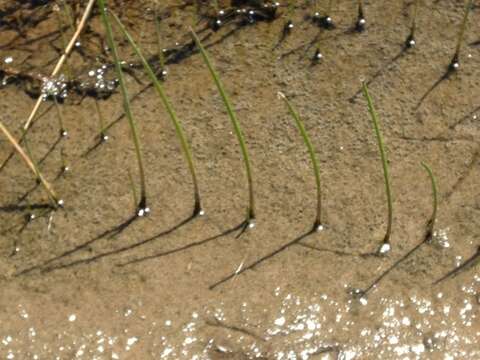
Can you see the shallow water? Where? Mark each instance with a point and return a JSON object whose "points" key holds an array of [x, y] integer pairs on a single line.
{"points": [[294, 327], [146, 292]]}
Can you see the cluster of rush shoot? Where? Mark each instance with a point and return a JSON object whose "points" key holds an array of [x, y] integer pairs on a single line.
{"points": [[171, 112]]}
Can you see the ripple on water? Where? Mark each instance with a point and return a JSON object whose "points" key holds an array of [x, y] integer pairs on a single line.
{"points": [[295, 327]]}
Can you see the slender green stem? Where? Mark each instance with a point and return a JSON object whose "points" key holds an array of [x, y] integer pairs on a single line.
{"points": [[463, 26], [161, 56], [383, 156], [62, 130], [360, 8], [134, 191], [101, 121], [171, 112], [414, 18], [431, 222], [361, 21], [142, 205], [318, 223], [236, 127]]}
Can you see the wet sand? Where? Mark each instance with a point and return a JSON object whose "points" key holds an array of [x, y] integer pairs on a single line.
{"points": [[145, 292]]}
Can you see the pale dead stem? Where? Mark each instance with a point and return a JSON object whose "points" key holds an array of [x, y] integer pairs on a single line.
{"points": [[30, 164], [64, 56]]}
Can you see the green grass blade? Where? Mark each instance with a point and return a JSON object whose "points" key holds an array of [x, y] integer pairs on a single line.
{"points": [[432, 220], [62, 132], [132, 186], [171, 112], [381, 148], [414, 16], [161, 56], [101, 122], [463, 26], [317, 226], [236, 127], [142, 205]]}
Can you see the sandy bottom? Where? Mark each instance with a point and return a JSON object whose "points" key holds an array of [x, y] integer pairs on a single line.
{"points": [[74, 288]]}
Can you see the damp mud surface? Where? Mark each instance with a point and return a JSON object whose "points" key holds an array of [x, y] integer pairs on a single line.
{"points": [[74, 288]]}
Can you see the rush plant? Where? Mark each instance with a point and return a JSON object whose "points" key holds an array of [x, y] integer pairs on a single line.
{"points": [[250, 218], [103, 136], [171, 112], [326, 21], [381, 148], [455, 62], [288, 27], [411, 41], [317, 224], [132, 186], [361, 21], [426, 238], [142, 208], [161, 56]]}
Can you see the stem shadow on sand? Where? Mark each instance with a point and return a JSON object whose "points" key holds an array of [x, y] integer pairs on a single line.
{"points": [[374, 283], [10, 208], [184, 247], [474, 260], [117, 251], [262, 259], [50, 150], [110, 233], [446, 75], [234, 328], [27, 193], [338, 252], [464, 118], [428, 234], [383, 69]]}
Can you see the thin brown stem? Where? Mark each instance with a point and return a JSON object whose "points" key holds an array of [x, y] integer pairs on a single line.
{"points": [[67, 51], [48, 188]]}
